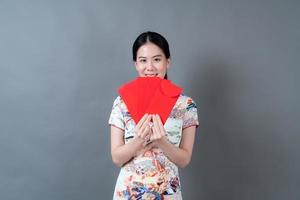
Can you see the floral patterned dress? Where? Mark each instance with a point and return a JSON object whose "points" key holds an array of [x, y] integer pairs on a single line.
{"points": [[152, 175]]}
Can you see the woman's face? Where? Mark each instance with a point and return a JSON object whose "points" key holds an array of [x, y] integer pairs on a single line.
{"points": [[151, 61]]}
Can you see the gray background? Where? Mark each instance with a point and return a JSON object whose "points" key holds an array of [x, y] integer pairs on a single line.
{"points": [[61, 62]]}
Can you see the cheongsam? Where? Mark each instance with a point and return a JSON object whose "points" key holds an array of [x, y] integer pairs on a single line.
{"points": [[152, 175]]}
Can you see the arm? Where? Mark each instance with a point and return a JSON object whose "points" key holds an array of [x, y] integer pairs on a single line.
{"points": [[181, 155], [121, 152]]}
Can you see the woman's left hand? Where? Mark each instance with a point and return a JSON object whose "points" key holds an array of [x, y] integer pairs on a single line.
{"points": [[158, 130]]}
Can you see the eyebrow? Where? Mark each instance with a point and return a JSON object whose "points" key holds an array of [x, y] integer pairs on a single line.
{"points": [[159, 55]]}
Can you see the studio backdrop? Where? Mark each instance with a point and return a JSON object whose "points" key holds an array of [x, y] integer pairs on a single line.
{"points": [[62, 61]]}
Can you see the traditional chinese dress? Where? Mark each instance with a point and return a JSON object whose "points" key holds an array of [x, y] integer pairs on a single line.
{"points": [[152, 175]]}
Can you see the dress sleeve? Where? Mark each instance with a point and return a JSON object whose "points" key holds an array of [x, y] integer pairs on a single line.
{"points": [[116, 116], [190, 116]]}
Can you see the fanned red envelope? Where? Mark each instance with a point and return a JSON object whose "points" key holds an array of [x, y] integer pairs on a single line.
{"points": [[152, 95]]}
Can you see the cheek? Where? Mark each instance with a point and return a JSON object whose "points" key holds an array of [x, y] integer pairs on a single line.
{"points": [[140, 69], [162, 67]]}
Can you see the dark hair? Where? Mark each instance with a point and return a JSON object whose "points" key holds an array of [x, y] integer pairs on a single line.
{"points": [[156, 39]]}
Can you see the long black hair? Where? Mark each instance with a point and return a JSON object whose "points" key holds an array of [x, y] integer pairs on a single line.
{"points": [[156, 39]]}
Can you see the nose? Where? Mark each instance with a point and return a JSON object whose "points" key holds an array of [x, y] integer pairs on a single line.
{"points": [[150, 66]]}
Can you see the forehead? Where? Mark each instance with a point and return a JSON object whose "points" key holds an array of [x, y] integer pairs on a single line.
{"points": [[149, 49]]}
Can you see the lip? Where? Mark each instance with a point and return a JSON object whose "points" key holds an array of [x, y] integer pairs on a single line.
{"points": [[151, 75]]}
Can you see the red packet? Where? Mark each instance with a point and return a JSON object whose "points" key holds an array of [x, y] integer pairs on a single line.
{"points": [[151, 95], [164, 99]]}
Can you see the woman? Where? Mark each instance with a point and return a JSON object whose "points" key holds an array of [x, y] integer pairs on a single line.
{"points": [[149, 152]]}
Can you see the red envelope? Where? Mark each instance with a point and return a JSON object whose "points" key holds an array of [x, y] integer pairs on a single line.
{"points": [[152, 95]]}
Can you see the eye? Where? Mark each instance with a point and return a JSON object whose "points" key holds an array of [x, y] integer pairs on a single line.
{"points": [[142, 60], [157, 59]]}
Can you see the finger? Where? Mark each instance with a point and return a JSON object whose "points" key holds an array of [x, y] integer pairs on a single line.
{"points": [[139, 129], [153, 137], [145, 132], [156, 124], [156, 131], [140, 123], [143, 123], [160, 124], [146, 122], [147, 138], [159, 127]]}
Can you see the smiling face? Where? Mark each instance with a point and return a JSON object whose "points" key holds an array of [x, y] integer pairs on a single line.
{"points": [[151, 61]]}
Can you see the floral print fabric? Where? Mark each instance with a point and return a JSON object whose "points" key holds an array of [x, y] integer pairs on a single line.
{"points": [[151, 175]]}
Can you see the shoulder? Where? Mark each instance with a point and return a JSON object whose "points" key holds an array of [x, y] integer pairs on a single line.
{"points": [[186, 100], [118, 102]]}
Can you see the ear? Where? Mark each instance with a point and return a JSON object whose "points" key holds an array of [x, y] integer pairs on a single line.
{"points": [[135, 64], [168, 63]]}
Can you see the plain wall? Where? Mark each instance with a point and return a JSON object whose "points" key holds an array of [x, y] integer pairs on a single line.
{"points": [[62, 61]]}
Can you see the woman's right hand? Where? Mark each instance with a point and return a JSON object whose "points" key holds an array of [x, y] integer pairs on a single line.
{"points": [[143, 133], [142, 129]]}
